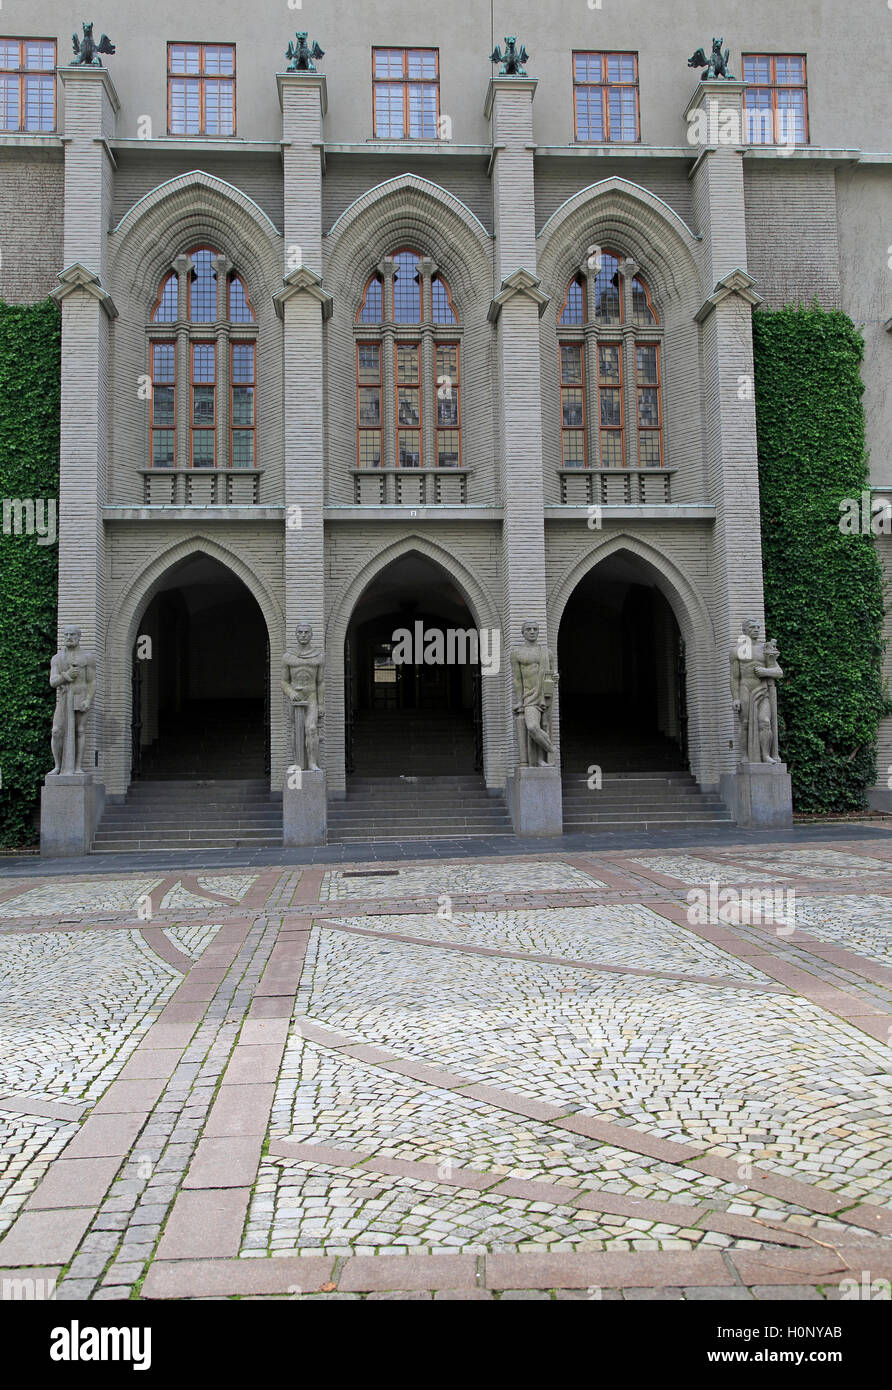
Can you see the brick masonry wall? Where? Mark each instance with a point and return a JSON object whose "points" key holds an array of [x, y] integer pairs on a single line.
{"points": [[31, 216]]}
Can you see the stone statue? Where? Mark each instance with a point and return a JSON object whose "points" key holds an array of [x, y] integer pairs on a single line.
{"points": [[303, 681], [532, 667], [754, 671], [73, 677], [716, 64], [300, 55], [512, 60], [87, 50]]}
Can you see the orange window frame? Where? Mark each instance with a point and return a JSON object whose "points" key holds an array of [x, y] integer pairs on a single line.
{"points": [[656, 429], [166, 429], [579, 345], [404, 81], [414, 385], [619, 386], [455, 386], [774, 87], [605, 87], [171, 275], [370, 385], [202, 77], [233, 387], [22, 73], [201, 429]]}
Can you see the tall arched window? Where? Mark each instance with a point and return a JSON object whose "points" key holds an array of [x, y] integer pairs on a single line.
{"points": [[609, 350], [407, 344], [203, 371]]}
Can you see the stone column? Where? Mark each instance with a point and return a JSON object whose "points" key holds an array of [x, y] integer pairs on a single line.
{"points": [[715, 119], [516, 307], [91, 106], [303, 305]]}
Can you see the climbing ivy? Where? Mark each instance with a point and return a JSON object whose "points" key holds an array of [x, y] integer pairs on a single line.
{"points": [[29, 470], [823, 588]]}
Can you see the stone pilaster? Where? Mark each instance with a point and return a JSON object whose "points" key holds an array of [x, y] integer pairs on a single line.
{"points": [[302, 306], [714, 116], [516, 307], [91, 105]]}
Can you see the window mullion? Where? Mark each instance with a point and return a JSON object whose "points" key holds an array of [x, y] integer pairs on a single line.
{"points": [[223, 412], [630, 399]]}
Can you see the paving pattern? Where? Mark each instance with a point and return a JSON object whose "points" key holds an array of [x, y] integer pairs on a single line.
{"points": [[455, 1079]]}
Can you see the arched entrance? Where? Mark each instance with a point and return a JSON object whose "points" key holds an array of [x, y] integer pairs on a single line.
{"points": [[623, 695], [413, 724], [200, 705], [418, 716], [623, 701]]}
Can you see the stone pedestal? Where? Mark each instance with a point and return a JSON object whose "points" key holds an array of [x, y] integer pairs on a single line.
{"points": [[70, 807], [759, 794], [534, 801], [304, 810]]}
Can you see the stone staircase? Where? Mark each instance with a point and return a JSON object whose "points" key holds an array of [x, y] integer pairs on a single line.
{"points": [[645, 786], [180, 814], [416, 808]]}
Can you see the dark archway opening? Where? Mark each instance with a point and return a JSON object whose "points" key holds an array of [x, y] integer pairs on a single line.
{"points": [[622, 677], [201, 679], [411, 718]]}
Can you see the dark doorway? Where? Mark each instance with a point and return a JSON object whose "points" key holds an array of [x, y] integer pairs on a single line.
{"points": [[410, 718], [620, 658], [201, 676]]}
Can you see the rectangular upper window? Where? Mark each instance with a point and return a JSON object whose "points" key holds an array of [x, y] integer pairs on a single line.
{"points": [[28, 85], [775, 100], [406, 93], [605, 97], [201, 89]]}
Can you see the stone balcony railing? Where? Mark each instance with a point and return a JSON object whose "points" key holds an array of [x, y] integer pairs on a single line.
{"points": [[616, 487], [201, 487], [410, 487]]}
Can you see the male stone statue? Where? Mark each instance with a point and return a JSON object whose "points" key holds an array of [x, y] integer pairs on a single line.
{"points": [[73, 677], [532, 667], [754, 670], [303, 681]]}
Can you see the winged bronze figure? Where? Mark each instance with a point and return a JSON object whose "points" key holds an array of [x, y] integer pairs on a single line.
{"points": [[512, 59], [301, 55], [87, 50], [716, 64]]}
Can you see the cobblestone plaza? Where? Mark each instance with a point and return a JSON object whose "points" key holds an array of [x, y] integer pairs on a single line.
{"points": [[529, 1077]]}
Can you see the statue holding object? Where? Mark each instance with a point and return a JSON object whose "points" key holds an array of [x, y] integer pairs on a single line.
{"points": [[754, 673], [303, 682], [73, 677], [532, 668]]}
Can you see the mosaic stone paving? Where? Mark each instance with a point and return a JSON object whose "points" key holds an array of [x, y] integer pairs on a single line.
{"points": [[630, 936], [230, 885], [78, 1004], [323, 1106], [456, 878], [27, 1147], [694, 870], [628, 1046], [58, 898], [861, 923]]}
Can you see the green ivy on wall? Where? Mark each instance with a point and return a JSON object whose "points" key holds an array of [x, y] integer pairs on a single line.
{"points": [[823, 588], [29, 471]]}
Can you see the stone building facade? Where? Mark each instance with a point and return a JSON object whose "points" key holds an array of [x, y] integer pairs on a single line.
{"points": [[355, 348]]}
